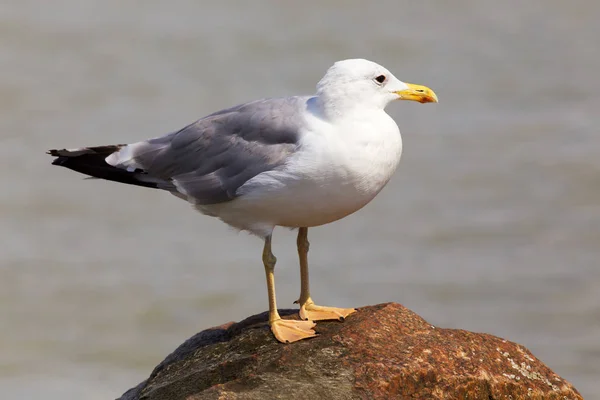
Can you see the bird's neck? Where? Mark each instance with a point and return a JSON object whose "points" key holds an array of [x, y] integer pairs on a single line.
{"points": [[335, 107]]}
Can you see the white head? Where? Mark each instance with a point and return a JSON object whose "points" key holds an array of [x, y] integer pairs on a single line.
{"points": [[349, 84]]}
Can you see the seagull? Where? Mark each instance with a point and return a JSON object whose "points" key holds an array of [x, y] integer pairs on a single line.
{"points": [[295, 162]]}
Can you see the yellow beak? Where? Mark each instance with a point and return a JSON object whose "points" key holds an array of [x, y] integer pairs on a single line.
{"points": [[419, 93]]}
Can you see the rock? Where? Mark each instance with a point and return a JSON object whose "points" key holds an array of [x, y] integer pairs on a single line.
{"points": [[381, 352]]}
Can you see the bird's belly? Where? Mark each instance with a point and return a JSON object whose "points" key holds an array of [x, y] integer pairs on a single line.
{"points": [[314, 205], [302, 205], [327, 192]]}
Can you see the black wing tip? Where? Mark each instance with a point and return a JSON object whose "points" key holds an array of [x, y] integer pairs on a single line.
{"points": [[91, 161], [100, 150], [59, 161]]}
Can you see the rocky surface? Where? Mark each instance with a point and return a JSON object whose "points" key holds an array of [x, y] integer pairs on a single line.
{"points": [[381, 352]]}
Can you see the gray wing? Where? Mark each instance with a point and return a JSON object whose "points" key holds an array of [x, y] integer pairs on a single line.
{"points": [[209, 160]]}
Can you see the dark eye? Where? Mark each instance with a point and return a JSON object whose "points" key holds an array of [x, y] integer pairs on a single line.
{"points": [[380, 79]]}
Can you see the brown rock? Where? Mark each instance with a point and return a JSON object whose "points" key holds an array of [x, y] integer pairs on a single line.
{"points": [[381, 352]]}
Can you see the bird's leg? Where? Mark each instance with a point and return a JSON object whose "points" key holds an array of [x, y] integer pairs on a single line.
{"points": [[308, 309], [285, 330]]}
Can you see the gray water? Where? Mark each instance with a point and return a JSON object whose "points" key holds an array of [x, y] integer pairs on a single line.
{"points": [[492, 222]]}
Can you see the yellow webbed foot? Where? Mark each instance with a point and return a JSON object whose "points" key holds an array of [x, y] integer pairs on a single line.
{"points": [[312, 312], [289, 331]]}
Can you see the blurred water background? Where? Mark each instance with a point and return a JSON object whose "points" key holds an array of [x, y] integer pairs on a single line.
{"points": [[492, 222]]}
